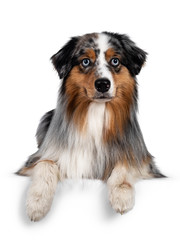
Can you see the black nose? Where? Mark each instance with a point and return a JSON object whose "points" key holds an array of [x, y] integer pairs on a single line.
{"points": [[102, 85]]}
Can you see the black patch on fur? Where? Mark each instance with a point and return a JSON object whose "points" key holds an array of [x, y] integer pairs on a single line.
{"points": [[132, 56], [91, 41], [154, 171], [43, 127], [97, 52], [63, 59], [31, 160]]}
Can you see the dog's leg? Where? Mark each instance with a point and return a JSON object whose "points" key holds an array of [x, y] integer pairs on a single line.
{"points": [[40, 194], [121, 188]]}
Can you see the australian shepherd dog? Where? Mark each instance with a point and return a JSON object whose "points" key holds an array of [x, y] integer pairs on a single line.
{"points": [[93, 132]]}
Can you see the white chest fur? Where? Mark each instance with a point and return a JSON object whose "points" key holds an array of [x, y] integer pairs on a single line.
{"points": [[84, 157]]}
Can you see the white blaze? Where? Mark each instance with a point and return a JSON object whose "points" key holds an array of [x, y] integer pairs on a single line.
{"points": [[103, 71]]}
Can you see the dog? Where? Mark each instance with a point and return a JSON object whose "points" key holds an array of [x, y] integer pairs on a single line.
{"points": [[93, 132]]}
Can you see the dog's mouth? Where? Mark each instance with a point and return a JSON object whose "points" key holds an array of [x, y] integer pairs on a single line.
{"points": [[102, 99], [99, 97]]}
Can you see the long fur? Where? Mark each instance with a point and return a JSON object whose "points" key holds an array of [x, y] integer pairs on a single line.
{"points": [[92, 134]]}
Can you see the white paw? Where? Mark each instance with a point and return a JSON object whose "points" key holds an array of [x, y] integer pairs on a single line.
{"points": [[122, 198], [37, 206]]}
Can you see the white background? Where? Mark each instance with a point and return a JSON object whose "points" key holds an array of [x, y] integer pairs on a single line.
{"points": [[31, 32]]}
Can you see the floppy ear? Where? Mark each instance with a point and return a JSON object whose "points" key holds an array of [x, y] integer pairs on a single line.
{"points": [[133, 56], [63, 59]]}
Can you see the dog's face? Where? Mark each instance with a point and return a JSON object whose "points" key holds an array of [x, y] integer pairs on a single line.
{"points": [[99, 66]]}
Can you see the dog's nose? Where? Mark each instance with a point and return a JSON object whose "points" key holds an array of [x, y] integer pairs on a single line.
{"points": [[102, 85]]}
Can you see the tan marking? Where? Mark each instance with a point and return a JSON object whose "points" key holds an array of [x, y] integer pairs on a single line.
{"points": [[110, 53], [119, 106], [80, 91], [89, 53], [46, 160], [27, 171], [125, 185]]}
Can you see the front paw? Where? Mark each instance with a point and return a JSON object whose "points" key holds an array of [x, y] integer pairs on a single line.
{"points": [[37, 206], [122, 198]]}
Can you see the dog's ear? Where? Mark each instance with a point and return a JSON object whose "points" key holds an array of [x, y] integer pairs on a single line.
{"points": [[133, 56], [63, 59]]}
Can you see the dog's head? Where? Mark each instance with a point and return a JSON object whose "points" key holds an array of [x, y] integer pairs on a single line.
{"points": [[99, 66]]}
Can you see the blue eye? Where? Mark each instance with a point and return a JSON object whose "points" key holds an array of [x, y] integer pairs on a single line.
{"points": [[115, 62], [86, 62]]}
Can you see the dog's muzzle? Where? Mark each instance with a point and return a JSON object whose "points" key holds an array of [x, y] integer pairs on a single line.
{"points": [[102, 86]]}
